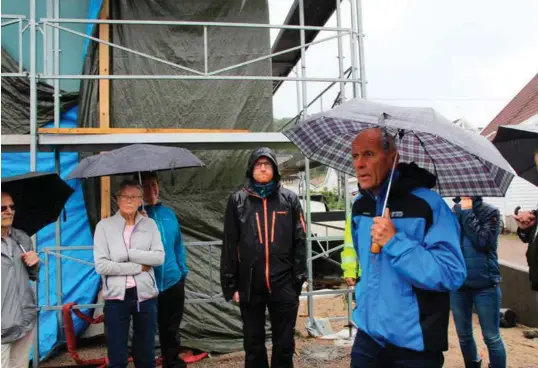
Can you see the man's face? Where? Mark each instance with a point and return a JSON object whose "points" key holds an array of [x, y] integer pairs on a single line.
{"points": [[151, 191], [536, 160], [8, 210], [371, 162], [263, 170]]}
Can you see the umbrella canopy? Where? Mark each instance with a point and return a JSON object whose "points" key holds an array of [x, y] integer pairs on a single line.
{"points": [[465, 163], [518, 144], [39, 199], [135, 158]]}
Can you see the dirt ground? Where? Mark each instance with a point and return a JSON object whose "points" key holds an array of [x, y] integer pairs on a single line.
{"points": [[522, 352]]}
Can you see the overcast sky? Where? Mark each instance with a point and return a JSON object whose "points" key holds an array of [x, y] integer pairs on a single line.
{"points": [[465, 58]]}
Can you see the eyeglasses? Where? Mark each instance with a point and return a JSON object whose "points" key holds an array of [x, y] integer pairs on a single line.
{"points": [[11, 207], [263, 163], [124, 197]]}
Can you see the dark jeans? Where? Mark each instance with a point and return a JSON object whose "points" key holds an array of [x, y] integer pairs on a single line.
{"points": [[283, 306], [170, 312], [118, 315], [487, 303], [367, 353]]}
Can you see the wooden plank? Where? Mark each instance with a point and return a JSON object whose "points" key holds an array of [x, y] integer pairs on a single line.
{"points": [[132, 130], [104, 99]]}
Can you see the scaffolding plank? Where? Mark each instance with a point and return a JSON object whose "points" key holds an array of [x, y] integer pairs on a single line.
{"points": [[105, 142], [133, 130], [317, 13]]}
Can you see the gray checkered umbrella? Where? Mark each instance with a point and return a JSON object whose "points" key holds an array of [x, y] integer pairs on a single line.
{"points": [[465, 163]]}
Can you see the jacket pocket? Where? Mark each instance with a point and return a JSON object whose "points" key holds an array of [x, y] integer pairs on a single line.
{"points": [[259, 226]]}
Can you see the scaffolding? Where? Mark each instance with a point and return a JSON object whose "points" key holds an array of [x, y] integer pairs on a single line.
{"points": [[50, 28]]}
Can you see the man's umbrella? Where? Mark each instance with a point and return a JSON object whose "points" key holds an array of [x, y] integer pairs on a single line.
{"points": [[465, 163], [39, 199], [135, 158], [519, 144]]}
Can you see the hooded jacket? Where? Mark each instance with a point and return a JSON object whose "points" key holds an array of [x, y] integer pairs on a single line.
{"points": [[19, 307], [403, 296], [479, 241], [264, 245], [174, 267]]}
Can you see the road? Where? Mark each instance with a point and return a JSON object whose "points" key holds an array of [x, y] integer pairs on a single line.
{"points": [[512, 250]]}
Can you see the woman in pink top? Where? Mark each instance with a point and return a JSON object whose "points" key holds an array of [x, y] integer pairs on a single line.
{"points": [[126, 248]]}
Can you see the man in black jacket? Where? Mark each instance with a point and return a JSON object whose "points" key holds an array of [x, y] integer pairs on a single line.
{"points": [[263, 260]]}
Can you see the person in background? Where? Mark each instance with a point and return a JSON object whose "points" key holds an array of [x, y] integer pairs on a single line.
{"points": [[127, 246], [170, 276], [410, 259], [479, 240], [20, 264], [263, 260], [527, 231], [350, 266]]}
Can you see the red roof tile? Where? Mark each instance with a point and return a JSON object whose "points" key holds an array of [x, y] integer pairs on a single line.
{"points": [[521, 108]]}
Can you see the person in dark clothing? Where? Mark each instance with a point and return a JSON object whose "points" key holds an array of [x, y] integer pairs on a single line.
{"points": [[263, 260], [479, 239], [528, 233], [170, 276], [403, 298]]}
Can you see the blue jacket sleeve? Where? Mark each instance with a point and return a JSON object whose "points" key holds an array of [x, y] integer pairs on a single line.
{"points": [[481, 226], [436, 263], [179, 250]]}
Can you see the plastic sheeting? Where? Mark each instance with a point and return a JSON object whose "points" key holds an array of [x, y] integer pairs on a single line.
{"points": [[80, 283], [16, 100], [198, 195]]}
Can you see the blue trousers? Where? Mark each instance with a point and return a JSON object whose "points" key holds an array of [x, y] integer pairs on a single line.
{"points": [[487, 303], [367, 353], [118, 314]]}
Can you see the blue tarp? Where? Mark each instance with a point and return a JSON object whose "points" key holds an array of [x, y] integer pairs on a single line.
{"points": [[80, 283]]}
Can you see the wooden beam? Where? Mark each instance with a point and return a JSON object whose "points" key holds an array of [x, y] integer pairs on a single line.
{"points": [[104, 98], [132, 130]]}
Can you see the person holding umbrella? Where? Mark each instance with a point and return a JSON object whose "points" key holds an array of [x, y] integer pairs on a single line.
{"points": [[410, 256], [127, 246], [29, 202], [171, 275], [20, 264]]}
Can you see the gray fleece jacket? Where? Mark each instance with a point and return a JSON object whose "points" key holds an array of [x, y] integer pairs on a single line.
{"points": [[114, 261]]}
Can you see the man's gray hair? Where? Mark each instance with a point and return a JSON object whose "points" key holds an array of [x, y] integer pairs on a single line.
{"points": [[130, 183]]}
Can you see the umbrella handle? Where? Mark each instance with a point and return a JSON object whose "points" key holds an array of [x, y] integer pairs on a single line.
{"points": [[375, 248]]}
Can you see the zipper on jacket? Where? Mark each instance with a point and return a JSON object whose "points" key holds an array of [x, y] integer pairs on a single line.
{"points": [[259, 227], [127, 249], [266, 245], [273, 228]]}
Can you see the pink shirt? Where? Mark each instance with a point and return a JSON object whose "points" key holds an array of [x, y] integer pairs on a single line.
{"points": [[127, 237]]}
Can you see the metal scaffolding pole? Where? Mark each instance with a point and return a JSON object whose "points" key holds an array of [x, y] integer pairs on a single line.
{"points": [[340, 52], [310, 299], [33, 139], [360, 41]]}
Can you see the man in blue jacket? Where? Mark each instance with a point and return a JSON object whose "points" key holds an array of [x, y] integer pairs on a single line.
{"points": [[170, 277], [479, 239], [403, 298]]}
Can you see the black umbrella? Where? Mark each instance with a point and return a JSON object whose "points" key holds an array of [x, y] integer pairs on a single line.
{"points": [[135, 158], [518, 144], [39, 199]]}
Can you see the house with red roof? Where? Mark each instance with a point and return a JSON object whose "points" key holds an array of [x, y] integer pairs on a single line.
{"points": [[522, 109]]}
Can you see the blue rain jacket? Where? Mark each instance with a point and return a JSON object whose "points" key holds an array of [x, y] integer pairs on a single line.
{"points": [[174, 267], [403, 295]]}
